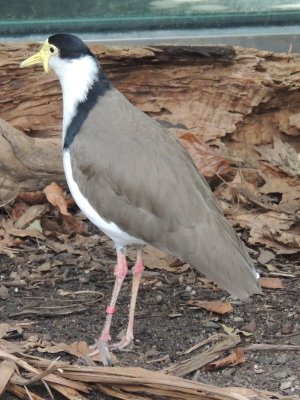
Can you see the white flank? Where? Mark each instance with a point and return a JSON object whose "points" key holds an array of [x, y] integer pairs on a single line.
{"points": [[76, 77], [120, 237]]}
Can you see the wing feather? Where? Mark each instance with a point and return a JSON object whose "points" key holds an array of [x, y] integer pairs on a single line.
{"points": [[137, 175]]}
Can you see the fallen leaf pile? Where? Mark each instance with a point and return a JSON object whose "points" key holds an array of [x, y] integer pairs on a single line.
{"points": [[264, 198], [37, 216]]}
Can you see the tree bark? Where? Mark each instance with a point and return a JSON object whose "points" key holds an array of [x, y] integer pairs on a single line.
{"points": [[222, 94]]}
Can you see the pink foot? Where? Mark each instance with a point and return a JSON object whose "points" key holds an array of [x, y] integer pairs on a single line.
{"points": [[126, 340], [100, 348]]}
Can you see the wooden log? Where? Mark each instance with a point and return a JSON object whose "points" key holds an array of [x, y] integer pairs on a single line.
{"points": [[26, 163], [222, 94]]}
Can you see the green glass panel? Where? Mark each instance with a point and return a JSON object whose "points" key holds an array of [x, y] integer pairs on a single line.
{"points": [[44, 16]]}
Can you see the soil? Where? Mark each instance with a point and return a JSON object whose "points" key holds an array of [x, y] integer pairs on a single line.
{"points": [[165, 325]]}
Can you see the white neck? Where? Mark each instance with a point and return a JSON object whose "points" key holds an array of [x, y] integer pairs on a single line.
{"points": [[76, 77]]}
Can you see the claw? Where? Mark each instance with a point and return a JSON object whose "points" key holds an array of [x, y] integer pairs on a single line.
{"points": [[103, 350], [100, 348], [126, 341]]}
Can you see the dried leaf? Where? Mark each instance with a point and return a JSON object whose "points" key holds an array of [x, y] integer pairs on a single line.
{"points": [[208, 161], [31, 214], [60, 247], [36, 226], [90, 240], [274, 184], [51, 225], [18, 209], [265, 256], [283, 155], [235, 358], [286, 190], [269, 228], [55, 196], [25, 233], [78, 349], [45, 267], [73, 224], [228, 329], [32, 197], [235, 190], [271, 283], [233, 331], [218, 307]]}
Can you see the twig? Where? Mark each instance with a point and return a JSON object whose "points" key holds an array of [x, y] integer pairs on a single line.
{"points": [[28, 393], [20, 283], [200, 344], [283, 274], [274, 347], [57, 310], [128, 382], [52, 367]]}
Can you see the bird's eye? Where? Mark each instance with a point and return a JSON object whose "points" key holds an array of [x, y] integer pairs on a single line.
{"points": [[52, 50]]}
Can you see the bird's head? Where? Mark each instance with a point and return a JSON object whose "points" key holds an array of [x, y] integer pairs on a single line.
{"points": [[58, 49]]}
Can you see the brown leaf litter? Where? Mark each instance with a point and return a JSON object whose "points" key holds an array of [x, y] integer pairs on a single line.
{"points": [[283, 156]]}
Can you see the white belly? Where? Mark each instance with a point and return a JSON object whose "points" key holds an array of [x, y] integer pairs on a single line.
{"points": [[120, 237]]}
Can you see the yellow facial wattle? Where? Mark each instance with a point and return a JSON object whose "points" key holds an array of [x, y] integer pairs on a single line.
{"points": [[42, 57]]}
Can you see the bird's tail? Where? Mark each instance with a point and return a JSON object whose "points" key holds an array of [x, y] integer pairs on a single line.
{"points": [[223, 257]]}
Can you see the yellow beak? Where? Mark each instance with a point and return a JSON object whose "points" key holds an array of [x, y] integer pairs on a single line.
{"points": [[42, 57]]}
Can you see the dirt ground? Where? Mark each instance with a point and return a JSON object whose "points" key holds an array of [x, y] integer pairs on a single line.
{"points": [[166, 325]]}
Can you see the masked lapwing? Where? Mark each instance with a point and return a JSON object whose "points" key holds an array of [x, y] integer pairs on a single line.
{"points": [[135, 181]]}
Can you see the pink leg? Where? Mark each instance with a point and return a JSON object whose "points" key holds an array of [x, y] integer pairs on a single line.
{"points": [[137, 273], [101, 343], [120, 273]]}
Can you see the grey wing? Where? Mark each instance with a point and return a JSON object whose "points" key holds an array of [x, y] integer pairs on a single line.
{"points": [[143, 180]]}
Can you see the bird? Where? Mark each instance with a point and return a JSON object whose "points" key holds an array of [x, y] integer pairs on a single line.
{"points": [[133, 179]]}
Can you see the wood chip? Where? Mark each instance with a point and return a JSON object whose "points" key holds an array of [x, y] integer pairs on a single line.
{"points": [[6, 370], [198, 361], [218, 307], [271, 283]]}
